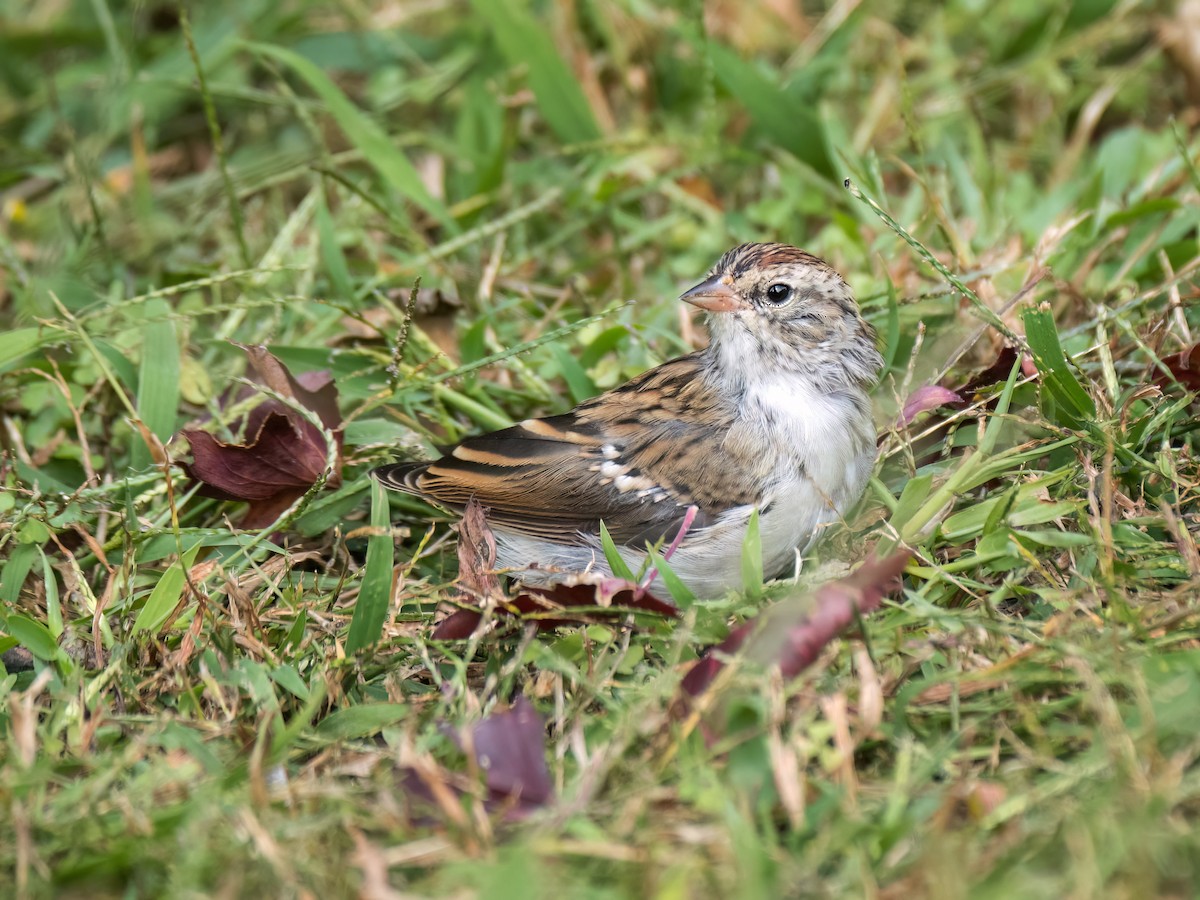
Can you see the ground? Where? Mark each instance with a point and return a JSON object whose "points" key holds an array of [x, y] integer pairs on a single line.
{"points": [[458, 214]]}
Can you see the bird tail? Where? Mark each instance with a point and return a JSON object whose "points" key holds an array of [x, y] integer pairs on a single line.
{"points": [[401, 476]]}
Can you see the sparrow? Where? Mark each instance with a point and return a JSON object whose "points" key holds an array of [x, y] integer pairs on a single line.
{"points": [[773, 415]]}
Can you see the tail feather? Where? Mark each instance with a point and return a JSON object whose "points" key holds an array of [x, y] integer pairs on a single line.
{"points": [[401, 476]]}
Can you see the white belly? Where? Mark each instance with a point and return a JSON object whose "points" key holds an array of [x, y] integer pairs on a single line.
{"points": [[709, 561]]}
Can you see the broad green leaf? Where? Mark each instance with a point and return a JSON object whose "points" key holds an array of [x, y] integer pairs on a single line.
{"points": [[916, 490], [525, 43], [121, 365], [34, 637], [1026, 510], [166, 594], [603, 344], [1063, 539], [375, 594], [256, 681], [296, 633], [1058, 380], [361, 721], [16, 342], [16, 567], [365, 133], [576, 377], [289, 679], [1146, 208], [160, 546], [999, 512], [158, 379]]}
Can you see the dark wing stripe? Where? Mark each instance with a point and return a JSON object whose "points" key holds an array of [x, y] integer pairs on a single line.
{"points": [[402, 477]]}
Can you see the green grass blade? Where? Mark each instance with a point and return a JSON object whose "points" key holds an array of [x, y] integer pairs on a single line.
{"points": [[375, 595], [332, 258], [526, 44], [54, 617], [914, 494], [16, 568], [576, 377], [752, 561], [996, 422], [616, 562], [679, 591], [365, 133]]}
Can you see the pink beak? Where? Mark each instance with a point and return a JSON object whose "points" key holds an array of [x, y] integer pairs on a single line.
{"points": [[714, 295]]}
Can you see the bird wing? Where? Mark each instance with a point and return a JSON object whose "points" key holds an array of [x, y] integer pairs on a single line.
{"points": [[636, 457]]}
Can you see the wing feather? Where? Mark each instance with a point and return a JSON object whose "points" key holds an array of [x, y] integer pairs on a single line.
{"points": [[636, 457]]}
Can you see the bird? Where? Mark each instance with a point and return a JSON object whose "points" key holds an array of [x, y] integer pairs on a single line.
{"points": [[773, 416]]}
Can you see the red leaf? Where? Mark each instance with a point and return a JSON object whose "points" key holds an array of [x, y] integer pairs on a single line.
{"points": [[285, 455], [557, 605], [997, 372], [791, 634], [1185, 367], [576, 599], [312, 390], [458, 626]]}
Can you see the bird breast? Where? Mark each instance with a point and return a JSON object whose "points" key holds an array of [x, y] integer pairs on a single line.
{"points": [[788, 426]]}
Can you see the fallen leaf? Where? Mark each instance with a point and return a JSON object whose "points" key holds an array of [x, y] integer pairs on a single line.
{"points": [[923, 399], [312, 390], [577, 599], [791, 634], [557, 605], [1184, 367], [282, 454], [996, 373], [510, 748]]}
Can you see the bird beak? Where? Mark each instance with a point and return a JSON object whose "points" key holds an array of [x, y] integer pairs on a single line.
{"points": [[714, 295]]}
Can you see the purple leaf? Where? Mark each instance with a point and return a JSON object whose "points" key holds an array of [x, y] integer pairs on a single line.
{"points": [[791, 634], [510, 747], [923, 399]]}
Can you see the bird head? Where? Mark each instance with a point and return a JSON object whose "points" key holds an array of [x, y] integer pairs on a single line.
{"points": [[782, 308]]}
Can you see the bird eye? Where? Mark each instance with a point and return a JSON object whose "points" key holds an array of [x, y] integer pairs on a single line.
{"points": [[778, 293]]}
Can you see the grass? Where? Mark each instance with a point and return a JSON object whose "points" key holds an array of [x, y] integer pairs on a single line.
{"points": [[192, 709]]}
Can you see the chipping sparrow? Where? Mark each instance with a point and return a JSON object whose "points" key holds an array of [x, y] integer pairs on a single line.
{"points": [[773, 415]]}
